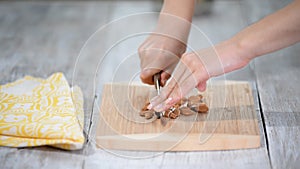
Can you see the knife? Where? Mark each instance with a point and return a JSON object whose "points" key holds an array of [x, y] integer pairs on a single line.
{"points": [[159, 115]]}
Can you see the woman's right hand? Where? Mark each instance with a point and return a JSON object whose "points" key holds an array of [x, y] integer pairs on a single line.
{"points": [[162, 50], [159, 53]]}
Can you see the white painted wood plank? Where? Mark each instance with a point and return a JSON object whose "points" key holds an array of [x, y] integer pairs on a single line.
{"points": [[46, 159], [38, 39], [278, 85], [64, 27]]}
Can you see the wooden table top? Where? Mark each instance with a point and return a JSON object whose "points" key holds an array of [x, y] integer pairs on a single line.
{"points": [[40, 38]]}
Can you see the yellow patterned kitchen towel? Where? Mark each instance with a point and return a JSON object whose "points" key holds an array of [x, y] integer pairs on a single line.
{"points": [[35, 112]]}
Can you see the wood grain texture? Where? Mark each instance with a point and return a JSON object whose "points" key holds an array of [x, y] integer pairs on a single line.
{"points": [[278, 86], [43, 158], [231, 122], [38, 39], [278, 82]]}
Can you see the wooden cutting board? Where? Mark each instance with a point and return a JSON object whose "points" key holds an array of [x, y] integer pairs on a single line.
{"points": [[231, 122]]}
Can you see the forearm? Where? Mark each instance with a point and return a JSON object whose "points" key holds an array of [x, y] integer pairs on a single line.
{"points": [[175, 19], [180, 8], [274, 32]]}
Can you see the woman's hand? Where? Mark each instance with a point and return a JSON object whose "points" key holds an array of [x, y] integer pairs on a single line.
{"points": [[159, 53], [194, 69], [162, 50]]}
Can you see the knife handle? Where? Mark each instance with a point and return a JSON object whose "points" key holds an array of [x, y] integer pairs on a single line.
{"points": [[156, 79]]}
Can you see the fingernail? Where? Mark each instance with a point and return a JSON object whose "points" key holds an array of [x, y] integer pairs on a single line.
{"points": [[159, 108], [169, 100]]}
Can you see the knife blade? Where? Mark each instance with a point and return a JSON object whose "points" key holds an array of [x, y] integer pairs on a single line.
{"points": [[159, 115]]}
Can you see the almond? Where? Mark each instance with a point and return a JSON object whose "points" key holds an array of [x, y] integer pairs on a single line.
{"points": [[176, 112], [186, 111], [149, 114], [194, 99], [194, 104], [173, 115], [202, 108], [183, 100], [176, 106], [167, 113]]}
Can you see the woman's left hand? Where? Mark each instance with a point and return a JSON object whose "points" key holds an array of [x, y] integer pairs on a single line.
{"points": [[194, 69]]}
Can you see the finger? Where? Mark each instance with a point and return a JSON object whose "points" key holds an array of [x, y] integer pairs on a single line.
{"points": [[181, 75], [181, 89], [201, 86], [178, 75], [184, 80], [164, 77], [164, 94], [160, 98], [165, 91]]}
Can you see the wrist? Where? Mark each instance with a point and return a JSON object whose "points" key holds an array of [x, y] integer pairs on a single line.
{"points": [[175, 19], [244, 45], [174, 27], [182, 9], [232, 55]]}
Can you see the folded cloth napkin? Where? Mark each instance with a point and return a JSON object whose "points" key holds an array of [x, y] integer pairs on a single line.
{"points": [[35, 112]]}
